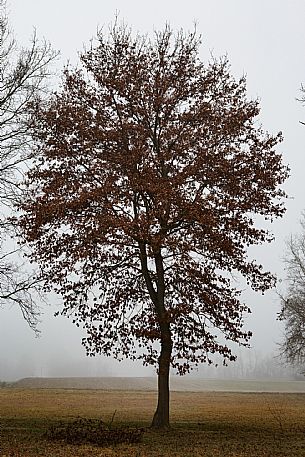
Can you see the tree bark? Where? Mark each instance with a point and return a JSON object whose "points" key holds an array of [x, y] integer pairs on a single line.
{"points": [[161, 416]]}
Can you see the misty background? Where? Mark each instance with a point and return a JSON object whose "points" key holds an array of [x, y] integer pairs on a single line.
{"points": [[265, 41]]}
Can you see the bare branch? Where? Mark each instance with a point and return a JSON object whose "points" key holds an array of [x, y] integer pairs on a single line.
{"points": [[22, 81]]}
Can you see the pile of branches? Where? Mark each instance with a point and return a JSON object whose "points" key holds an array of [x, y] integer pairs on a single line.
{"points": [[93, 431]]}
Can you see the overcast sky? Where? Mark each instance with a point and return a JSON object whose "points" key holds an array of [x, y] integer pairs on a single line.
{"points": [[264, 40]]}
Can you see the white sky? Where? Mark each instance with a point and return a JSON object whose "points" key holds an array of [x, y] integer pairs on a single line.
{"points": [[264, 39]]}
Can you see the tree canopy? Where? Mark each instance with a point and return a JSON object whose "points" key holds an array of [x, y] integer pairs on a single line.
{"points": [[150, 170]]}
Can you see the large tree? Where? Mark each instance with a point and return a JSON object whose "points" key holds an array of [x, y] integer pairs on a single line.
{"points": [[23, 75], [151, 168]]}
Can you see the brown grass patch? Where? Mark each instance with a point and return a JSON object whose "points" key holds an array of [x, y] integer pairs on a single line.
{"points": [[207, 424]]}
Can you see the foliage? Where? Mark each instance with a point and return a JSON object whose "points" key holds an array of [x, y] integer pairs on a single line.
{"points": [[149, 172], [293, 302], [22, 78]]}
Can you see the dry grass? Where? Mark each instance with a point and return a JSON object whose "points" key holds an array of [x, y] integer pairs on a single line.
{"points": [[177, 383], [204, 424]]}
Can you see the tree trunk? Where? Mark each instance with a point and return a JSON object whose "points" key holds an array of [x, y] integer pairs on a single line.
{"points": [[161, 416]]}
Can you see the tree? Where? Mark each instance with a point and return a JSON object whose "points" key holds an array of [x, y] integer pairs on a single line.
{"points": [[293, 302], [22, 79], [140, 207]]}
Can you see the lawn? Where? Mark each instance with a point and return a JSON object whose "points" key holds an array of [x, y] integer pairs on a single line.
{"points": [[210, 424]]}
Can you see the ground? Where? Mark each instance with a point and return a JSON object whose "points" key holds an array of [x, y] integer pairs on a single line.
{"points": [[207, 424]]}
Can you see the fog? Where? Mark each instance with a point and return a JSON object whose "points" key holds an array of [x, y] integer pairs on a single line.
{"points": [[262, 39]]}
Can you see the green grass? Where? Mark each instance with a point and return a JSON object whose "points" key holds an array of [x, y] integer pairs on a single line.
{"points": [[209, 424]]}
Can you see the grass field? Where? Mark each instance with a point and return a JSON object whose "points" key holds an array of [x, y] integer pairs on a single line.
{"points": [[210, 424], [177, 383]]}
